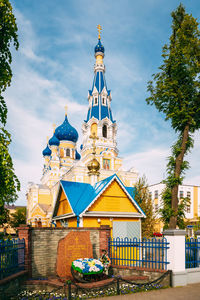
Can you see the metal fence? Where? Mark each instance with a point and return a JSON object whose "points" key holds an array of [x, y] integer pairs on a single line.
{"points": [[146, 253], [192, 253], [12, 253]]}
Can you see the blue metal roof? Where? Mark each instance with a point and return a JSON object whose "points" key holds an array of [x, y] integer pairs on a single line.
{"points": [[46, 151], [54, 141], [99, 47], [66, 132], [81, 195], [99, 111]]}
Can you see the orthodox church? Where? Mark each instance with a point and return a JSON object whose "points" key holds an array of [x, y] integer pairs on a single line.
{"points": [[86, 187]]}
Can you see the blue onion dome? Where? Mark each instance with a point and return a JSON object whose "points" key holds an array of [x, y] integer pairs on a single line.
{"points": [[54, 141], [46, 151], [77, 155], [81, 146], [65, 132], [99, 47]]}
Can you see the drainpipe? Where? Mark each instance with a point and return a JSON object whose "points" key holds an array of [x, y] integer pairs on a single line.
{"points": [[78, 221], [53, 223]]}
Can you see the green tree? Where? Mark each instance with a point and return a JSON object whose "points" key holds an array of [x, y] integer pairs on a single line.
{"points": [[143, 198], [175, 91], [18, 217], [4, 217], [9, 184]]}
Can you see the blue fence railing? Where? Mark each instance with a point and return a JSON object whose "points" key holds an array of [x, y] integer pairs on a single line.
{"points": [[147, 253], [12, 254], [192, 253]]}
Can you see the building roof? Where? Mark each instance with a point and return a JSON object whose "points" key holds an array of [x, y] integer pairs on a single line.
{"points": [[99, 111], [45, 207], [82, 195], [66, 132]]}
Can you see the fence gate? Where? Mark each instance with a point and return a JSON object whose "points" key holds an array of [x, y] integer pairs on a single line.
{"points": [[192, 253], [146, 253], [11, 257]]}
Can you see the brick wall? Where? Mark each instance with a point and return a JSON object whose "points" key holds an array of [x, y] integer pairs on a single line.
{"points": [[42, 246]]}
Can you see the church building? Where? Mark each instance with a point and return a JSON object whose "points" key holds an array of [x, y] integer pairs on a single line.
{"points": [[86, 187]]}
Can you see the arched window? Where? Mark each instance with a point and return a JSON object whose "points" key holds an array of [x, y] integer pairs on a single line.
{"points": [[104, 131], [39, 223], [94, 129], [68, 152], [95, 100]]}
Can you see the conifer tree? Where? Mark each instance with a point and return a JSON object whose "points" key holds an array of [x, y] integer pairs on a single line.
{"points": [[175, 91]]}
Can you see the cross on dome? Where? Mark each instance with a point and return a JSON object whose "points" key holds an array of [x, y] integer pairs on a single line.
{"points": [[99, 28], [54, 127], [66, 107], [94, 138]]}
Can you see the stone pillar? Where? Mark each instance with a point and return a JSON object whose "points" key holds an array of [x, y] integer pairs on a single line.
{"points": [[176, 255], [104, 234], [24, 232]]}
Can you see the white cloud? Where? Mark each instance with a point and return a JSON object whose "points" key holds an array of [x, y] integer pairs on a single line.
{"points": [[151, 163], [35, 101]]}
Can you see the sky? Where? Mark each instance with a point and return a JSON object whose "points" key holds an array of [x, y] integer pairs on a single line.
{"points": [[54, 67]]}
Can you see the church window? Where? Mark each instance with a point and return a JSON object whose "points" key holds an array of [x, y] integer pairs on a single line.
{"points": [[39, 223], [189, 195], [68, 152], [104, 131], [188, 209], [94, 129], [156, 194], [104, 101], [181, 195], [95, 100]]}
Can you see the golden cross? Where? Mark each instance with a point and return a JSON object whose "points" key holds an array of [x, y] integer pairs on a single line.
{"points": [[54, 127], [94, 138], [99, 30], [66, 109]]}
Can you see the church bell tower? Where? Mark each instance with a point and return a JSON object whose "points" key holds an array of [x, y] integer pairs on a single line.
{"points": [[99, 121]]}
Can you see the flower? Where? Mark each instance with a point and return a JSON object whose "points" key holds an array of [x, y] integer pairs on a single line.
{"points": [[88, 266]]}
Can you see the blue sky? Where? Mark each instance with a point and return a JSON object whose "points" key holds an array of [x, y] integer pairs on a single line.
{"points": [[54, 67]]}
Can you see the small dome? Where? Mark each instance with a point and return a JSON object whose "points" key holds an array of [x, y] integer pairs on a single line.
{"points": [[93, 166], [77, 155], [66, 132], [54, 141], [81, 146], [46, 151], [99, 47]]}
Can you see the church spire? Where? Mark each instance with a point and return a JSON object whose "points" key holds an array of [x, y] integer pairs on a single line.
{"points": [[99, 117], [99, 96]]}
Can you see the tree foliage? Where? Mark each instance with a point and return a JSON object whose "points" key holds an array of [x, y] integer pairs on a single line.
{"points": [[9, 184], [4, 216], [175, 91], [18, 217], [143, 198]]}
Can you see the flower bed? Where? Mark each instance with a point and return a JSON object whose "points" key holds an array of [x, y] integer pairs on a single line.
{"points": [[87, 266]]}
